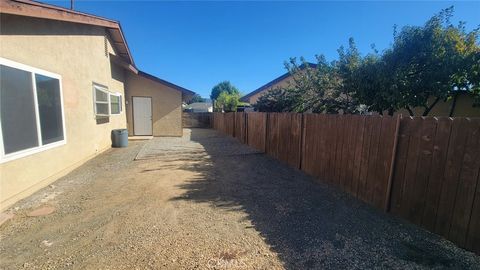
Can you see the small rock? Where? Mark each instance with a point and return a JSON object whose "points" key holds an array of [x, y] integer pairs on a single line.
{"points": [[47, 243], [42, 211]]}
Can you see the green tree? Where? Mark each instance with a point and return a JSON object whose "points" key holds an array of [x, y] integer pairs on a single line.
{"points": [[426, 64], [316, 88], [374, 84], [276, 100], [196, 98], [228, 102], [223, 87]]}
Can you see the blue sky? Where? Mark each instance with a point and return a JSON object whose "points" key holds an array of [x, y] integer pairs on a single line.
{"points": [[198, 44]]}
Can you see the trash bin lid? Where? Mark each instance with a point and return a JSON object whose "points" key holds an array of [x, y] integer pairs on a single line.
{"points": [[120, 130]]}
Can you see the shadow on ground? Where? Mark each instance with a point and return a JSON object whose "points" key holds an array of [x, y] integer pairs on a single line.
{"points": [[307, 223]]}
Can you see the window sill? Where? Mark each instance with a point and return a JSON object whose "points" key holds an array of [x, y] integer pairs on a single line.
{"points": [[31, 151]]}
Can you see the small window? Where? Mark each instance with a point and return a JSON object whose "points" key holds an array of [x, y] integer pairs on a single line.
{"points": [[115, 103], [101, 99], [31, 110]]}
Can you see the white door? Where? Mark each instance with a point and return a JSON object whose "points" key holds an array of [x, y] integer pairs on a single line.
{"points": [[142, 116]]}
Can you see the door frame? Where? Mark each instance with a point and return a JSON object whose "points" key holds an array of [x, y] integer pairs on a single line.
{"points": [[133, 114]]}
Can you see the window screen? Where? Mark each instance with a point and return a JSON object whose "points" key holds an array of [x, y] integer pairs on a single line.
{"points": [[115, 104], [49, 108], [101, 95], [17, 110], [101, 99]]}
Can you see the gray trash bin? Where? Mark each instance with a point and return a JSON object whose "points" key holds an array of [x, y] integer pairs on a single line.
{"points": [[119, 138]]}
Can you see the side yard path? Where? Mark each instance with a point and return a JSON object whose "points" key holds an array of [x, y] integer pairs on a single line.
{"points": [[205, 201]]}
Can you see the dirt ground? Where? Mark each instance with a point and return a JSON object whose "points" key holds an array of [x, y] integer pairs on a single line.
{"points": [[205, 201]]}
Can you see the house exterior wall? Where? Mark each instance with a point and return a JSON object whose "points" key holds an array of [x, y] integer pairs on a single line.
{"points": [[80, 54], [283, 83], [166, 105], [463, 108]]}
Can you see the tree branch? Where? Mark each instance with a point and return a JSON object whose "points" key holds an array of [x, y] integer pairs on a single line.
{"points": [[409, 110], [428, 109], [454, 104]]}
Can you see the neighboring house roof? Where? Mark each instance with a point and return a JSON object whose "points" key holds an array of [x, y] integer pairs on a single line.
{"points": [[34, 9], [158, 80], [271, 83], [200, 105]]}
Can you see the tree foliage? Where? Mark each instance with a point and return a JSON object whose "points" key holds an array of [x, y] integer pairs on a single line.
{"points": [[196, 98], [224, 86], [424, 65], [314, 88], [276, 100], [225, 97], [228, 102]]}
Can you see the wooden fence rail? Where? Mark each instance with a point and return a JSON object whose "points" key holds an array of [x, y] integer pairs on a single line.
{"points": [[423, 169]]}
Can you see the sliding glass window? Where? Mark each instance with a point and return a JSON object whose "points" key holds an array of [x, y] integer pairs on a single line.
{"points": [[31, 110]]}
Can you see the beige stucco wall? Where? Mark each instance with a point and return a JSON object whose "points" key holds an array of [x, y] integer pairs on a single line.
{"points": [[166, 105], [463, 108], [77, 53], [283, 83]]}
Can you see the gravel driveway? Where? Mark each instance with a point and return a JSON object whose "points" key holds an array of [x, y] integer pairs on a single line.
{"points": [[205, 201]]}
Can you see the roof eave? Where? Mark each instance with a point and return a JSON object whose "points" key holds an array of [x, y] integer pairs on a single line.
{"points": [[34, 9], [172, 85]]}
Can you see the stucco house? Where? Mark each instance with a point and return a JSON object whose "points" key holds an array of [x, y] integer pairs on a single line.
{"points": [[68, 79]]}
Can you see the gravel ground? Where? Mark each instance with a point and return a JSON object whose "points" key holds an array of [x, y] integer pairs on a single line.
{"points": [[207, 202]]}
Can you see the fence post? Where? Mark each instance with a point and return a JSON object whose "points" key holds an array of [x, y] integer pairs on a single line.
{"points": [[392, 165]]}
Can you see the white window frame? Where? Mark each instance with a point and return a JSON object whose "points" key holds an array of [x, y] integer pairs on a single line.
{"points": [[40, 148], [120, 104], [104, 90]]}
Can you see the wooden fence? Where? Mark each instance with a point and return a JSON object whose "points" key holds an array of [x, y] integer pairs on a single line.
{"points": [[196, 120], [257, 130], [284, 137], [352, 152], [423, 169], [240, 127]]}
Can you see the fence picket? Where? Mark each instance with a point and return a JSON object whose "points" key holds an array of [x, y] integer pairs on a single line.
{"points": [[452, 173], [437, 168], [467, 184]]}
